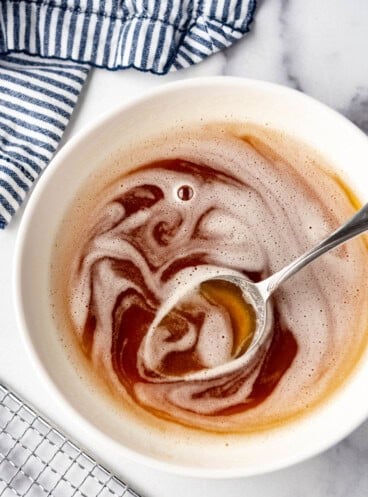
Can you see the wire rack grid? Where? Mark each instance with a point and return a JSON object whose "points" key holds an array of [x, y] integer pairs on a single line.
{"points": [[37, 460]]}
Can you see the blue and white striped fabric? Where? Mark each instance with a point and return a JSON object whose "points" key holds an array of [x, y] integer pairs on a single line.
{"points": [[37, 97], [48, 46]]}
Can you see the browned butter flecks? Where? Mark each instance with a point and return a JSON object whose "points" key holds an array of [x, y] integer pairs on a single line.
{"points": [[246, 199]]}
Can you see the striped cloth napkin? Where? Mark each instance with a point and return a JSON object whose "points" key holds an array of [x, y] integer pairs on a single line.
{"points": [[47, 48]]}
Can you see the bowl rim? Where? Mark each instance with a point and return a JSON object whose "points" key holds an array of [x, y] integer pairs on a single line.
{"points": [[23, 233]]}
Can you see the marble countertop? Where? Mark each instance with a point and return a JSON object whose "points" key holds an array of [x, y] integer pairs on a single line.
{"points": [[318, 47]]}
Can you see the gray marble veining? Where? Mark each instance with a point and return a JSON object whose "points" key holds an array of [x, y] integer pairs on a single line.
{"points": [[319, 47]]}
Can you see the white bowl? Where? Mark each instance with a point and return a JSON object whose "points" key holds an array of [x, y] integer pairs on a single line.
{"points": [[212, 99]]}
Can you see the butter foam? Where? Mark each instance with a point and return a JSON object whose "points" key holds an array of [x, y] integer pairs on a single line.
{"points": [[251, 211]]}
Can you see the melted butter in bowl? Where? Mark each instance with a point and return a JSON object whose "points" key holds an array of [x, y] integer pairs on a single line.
{"points": [[235, 196]]}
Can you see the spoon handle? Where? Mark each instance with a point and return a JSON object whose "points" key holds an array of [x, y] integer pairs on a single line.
{"points": [[356, 225]]}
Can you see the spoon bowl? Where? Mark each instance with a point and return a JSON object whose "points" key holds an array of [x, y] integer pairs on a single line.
{"points": [[252, 294]]}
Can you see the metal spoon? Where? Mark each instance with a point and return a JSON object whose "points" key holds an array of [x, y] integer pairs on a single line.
{"points": [[257, 294]]}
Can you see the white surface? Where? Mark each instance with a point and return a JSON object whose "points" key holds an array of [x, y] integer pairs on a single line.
{"points": [[319, 47]]}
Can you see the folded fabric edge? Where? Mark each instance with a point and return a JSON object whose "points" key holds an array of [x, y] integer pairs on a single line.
{"points": [[146, 44], [37, 98], [3, 223]]}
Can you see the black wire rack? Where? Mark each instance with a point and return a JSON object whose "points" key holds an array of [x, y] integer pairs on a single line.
{"points": [[38, 460]]}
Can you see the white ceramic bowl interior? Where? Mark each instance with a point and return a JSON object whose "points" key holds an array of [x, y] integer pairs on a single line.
{"points": [[184, 103]]}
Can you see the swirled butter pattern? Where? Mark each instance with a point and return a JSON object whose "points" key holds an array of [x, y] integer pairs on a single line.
{"points": [[210, 199]]}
